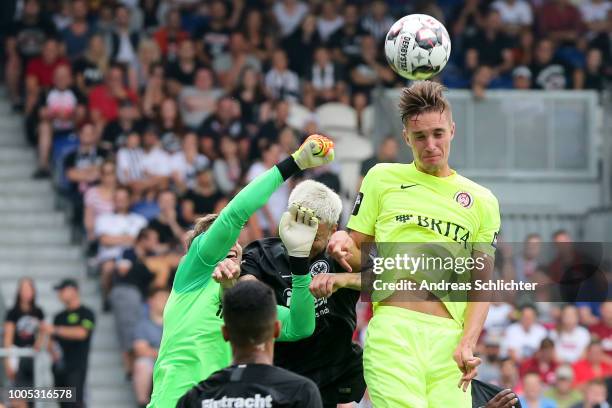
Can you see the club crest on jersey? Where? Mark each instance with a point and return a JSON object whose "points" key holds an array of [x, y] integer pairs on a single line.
{"points": [[318, 267], [464, 199]]}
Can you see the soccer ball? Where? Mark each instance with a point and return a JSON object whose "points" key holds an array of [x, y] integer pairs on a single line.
{"points": [[417, 46]]}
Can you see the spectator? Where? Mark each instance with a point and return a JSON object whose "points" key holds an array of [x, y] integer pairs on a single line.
{"points": [[62, 16], [225, 121], [594, 71], [551, 73], [570, 339], [147, 338], [89, 68], [596, 17], [378, 22], [345, 42], [105, 99], [329, 21], [523, 338], [124, 41], [544, 362], [280, 82], [532, 393], [21, 330], [324, 79], [603, 329], [510, 377], [253, 29], [24, 41], [289, 15], [215, 34], [387, 153], [516, 15], [562, 392], [71, 333], [148, 56], [182, 72], [170, 125], [592, 366], [521, 78], [370, 68], [270, 130], [229, 65], [561, 21], [498, 318], [170, 35], [155, 91], [40, 71], [205, 198], [250, 94], [116, 232], [300, 45], [595, 396], [115, 133], [76, 36], [130, 161], [131, 282], [198, 101], [156, 164], [489, 370], [61, 108], [186, 162], [166, 223], [98, 200], [228, 168], [523, 51], [526, 264]]}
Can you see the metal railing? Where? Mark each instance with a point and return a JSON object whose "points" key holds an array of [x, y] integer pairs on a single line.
{"points": [[41, 377]]}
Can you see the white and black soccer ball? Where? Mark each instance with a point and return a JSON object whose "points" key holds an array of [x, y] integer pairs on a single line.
{"points": [[417, 46]]}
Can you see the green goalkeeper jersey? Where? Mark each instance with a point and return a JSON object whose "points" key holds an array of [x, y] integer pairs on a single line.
{"points": [[399, 204], [192, 345]]}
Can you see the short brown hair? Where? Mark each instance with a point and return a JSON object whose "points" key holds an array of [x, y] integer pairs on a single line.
{"points": [[202, 225], [422, 97]]}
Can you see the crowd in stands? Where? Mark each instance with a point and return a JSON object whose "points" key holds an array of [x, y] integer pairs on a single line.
{"points": [[149, 114]]}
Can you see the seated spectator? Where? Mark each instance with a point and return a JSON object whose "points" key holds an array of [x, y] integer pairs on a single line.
{"points": [[288, 141], [570, 339], [82, 167], [186, 162], [532, 393], [170, 126], [90, 67], [523, 338], [510, 377], [369, 68], [40, 70], [543, 362], [595, 396], [521, 78], [489, 371], [499, 317], [166, 223], [60, 109], [324, 79], [228, 168], [594, 75], [124, 41], [253, 28], [592, 366], [280, 82], [378, 22], [147, 338], [250, 94], [198, 101], [21, 329], [603, 329], [228, 66], [71, 333], [130, 162], [270, 130], [24, 41], [205, 198], [116, 232], [516, 15], [131, 282], [562, 392], [115, 133], [148, 56], [155, 91], [76, 36], [561, 21], [182, 72], [300, 46], [224, 122], [215, 33], [99, 200], [155, 162], [328, 21], [105, 99], [289, 14], [170, 35], [386, 153], [346, 41], [551, 73]]}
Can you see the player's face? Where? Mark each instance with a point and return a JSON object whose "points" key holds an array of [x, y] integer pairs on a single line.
{"points": [[429, 136]]}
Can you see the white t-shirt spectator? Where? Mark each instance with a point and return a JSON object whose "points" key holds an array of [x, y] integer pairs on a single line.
{"points": [[194, 117], [289, 22], [524, 343], [519, 13], [498, 318], [595, 11], [377, 28], [130, 165], [569, 346], [277, 204], [327, 27], [283, 85], [187, 171], [117, 224], [62, 102], [156, 162]]}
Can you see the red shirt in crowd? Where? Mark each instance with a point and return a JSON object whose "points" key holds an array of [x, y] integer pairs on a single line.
{"points": [[604, 333], [546, 370], [163, 39], [554, 17], [102, 100], [584, 372], [42, 71]]}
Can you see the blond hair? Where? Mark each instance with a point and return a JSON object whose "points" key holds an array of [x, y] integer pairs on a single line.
{"points": [[201, 226]]}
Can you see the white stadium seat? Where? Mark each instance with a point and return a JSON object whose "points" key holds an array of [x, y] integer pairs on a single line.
{"points": [[298, 115], [335, 115]]}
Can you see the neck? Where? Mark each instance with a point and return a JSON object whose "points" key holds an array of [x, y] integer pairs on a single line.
{"points": [[73, 304], [254, 355], [156, 318], [23, 305]]}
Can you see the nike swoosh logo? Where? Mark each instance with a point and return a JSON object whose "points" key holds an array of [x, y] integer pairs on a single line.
{"points": [[403, 187]]}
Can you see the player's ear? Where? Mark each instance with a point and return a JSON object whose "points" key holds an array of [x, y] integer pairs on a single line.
{"points": [[405, 136], [225, 333], [277, 329], [452, 130]]}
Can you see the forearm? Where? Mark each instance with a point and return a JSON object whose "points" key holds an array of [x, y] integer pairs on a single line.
{"points": [[298, 321], [71, 332], [349, 280], [478, 301]]}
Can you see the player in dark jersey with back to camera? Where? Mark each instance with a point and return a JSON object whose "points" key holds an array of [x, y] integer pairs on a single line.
{"points": [[251, 325], [328, 357]]}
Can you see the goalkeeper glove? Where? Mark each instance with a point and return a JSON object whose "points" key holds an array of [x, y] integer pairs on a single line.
{"points": [[315, 151], [297, 229]]}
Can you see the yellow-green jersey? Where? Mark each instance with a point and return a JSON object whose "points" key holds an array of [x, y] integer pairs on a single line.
{"points": [[399, 204]]}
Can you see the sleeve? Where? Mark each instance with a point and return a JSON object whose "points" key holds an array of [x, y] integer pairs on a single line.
{"points": [[70, 161], [11, 316], [88, 321], [139, 332], [298, 320], [485, 240], [189, 400], [40, 314], [100, 225], [367, 206], [310, 397], [212, 246], [250, 266]]}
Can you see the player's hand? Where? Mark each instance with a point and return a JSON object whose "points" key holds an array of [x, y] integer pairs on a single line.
{"points": [[324, 285], [467, 363], [504, 399], [298, 228], [226, 273], [315, 151], [339, 247]]}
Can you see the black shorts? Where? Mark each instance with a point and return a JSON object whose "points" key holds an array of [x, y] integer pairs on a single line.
{"points": [[349, 386]]}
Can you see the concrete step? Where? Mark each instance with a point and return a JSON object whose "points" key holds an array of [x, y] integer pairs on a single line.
{"points": [[36, 269], [101, 358], [17, 154], [16, 171], [9, 187], [103, 397], [25, 220], [16, 203], [52, 252], [32, 236], [106, 377]]}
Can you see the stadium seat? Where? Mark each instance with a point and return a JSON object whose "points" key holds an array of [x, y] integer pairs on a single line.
{"points": [[298, 115], [367, 121], [351, 146], [336, 116]]}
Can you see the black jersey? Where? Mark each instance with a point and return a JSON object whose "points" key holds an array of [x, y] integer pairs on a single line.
{"points": [[253, 385], [329, 352]]}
